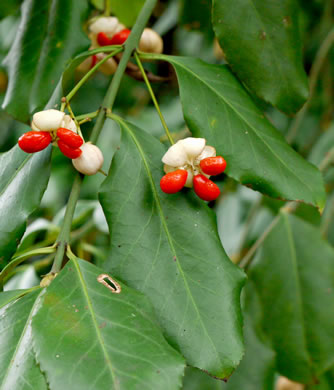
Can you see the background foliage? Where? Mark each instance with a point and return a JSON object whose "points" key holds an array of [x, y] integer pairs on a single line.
{"points": [[266, 103]]}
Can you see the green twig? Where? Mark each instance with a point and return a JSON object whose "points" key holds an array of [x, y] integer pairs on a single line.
{"points": [[108, 101], [63, 237], [314, 75], [156, 104], [70, 95], [20, 258], [130, 45], [107, 7], [86, 117]]}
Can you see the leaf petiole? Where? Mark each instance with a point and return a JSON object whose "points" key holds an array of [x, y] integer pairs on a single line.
{"points": [[155, 102]]}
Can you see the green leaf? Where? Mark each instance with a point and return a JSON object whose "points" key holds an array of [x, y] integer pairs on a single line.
{"points": [[167, 246], [9, 7], [126, 11], [254, 373], [196, 15], [49, 34], [23, 180], [218, 108], [262, 43], [293, 276], [18, 368], [87, 337]]}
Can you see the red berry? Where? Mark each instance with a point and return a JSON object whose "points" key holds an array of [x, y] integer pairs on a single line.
{"points": [[205, 188], [34, 141], [94, 61], [213, 165], [120, 37], [103, 39], [68, 151], [70, 138], [174, 181]]}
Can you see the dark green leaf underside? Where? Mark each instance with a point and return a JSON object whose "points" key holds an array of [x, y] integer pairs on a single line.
{"points": [[293, 276]]}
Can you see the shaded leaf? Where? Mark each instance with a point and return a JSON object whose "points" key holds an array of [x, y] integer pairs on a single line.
{"points": [[23, 279], [49, 34], [196, 15], [9, 7], [219, 109], [293, 276], [167, 246], [18, 368], [262, 43], [87, 337], [23, 180], [257, 368]]}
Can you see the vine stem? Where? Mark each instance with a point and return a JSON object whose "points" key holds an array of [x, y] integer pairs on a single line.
{"points": [[64, 234], [107, 7], [314, 75], [70, 95], [156, 104], [289, 207], [107, 104]]}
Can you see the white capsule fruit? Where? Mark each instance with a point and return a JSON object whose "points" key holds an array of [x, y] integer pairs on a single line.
{"points": [[151, 42], [90, 161], [109, 67], [51, 120], [284, 383], [47, 120], [106, 24]]}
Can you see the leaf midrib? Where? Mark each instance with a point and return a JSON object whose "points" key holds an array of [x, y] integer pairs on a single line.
{"points": [[241, 116], [97, 329], [169, 238]]}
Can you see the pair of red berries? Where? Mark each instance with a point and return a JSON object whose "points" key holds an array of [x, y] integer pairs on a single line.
{"points": [[69, 142], [117, 39], [205, 189]]}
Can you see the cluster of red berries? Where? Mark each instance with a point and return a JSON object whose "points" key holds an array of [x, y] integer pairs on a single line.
{"points": [[117, 39], [54, 126], [190, 163], [205, 188], [69, 142]]}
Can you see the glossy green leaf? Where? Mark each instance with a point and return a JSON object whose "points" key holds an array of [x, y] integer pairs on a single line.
{"points": [[167, 246], [126, 11], [18, 368], [50, 33], [88, 337], [257, 368], [262, 43], [293, 276], [23, 180], [218, 108]]}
